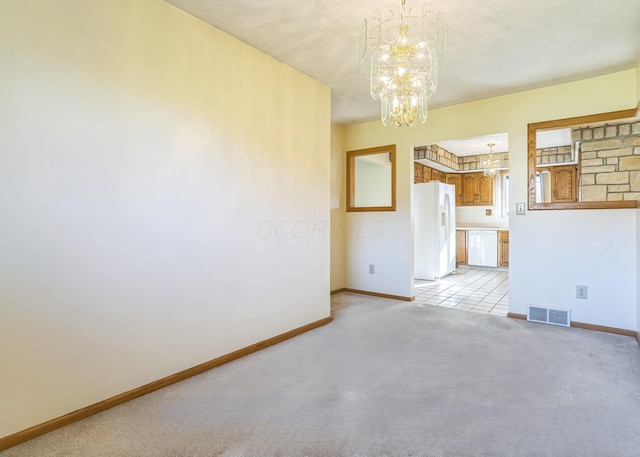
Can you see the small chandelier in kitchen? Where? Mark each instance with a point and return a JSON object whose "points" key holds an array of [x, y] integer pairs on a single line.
{"points": [[491, 163], [401, 50]]}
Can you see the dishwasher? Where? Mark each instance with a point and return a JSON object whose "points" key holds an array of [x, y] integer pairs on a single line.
{"points": [[483, 248]]}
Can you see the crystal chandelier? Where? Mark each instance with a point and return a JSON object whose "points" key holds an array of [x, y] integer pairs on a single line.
{"points": [[491, 164], [401, 47]]}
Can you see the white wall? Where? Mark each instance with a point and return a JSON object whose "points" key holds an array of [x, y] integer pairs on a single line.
{"points": [[511, 114], [475, 216], [381, 237], [160, 206], [563, 249]]}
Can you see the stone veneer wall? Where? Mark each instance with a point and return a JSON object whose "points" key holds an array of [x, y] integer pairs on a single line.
{"points": [[610, 161], [560, 154], [443, 157]]}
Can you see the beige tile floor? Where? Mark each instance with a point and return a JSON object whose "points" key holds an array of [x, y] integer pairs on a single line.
{"points": [[484, 290]]}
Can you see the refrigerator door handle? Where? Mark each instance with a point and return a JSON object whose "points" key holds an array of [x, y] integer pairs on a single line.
{"points": [[446, 215]]}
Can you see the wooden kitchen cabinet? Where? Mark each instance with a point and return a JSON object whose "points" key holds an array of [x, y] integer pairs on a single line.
{"points": [[461, 247], [469, 189], [417, 172], [485, 190], [427, 174], [477, 190], [564, 183], [422, 173], [503, 248], [455, 179], [472, 189]]}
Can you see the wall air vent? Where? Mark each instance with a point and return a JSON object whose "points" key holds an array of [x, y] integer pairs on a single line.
{"points": [[555, 316]]}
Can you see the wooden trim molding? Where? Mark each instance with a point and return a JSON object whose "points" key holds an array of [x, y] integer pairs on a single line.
{"points": [[376, 294], [351, 178], [597, 328], [602, 328], [62, 421], [337, 291], [586, 205]]}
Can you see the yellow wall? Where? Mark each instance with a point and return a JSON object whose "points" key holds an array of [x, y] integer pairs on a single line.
{"points": [[161, 205], [338, 206], [393, 252], [638, 82]]}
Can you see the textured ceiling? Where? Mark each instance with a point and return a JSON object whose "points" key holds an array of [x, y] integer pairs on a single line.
{"points": [[496, 47], [477, 145]]}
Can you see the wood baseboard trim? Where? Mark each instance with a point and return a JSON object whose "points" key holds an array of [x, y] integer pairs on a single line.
{"points": [[603, 328], [337, 291], [376, 294], [59, 422], [597, 328]]}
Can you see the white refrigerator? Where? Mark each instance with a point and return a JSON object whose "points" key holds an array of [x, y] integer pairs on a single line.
{"points": [[434, 230]]}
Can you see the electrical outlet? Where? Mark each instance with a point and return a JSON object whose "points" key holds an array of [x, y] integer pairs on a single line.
{"points": [[581, 292], [488, 212], [372, 269]]}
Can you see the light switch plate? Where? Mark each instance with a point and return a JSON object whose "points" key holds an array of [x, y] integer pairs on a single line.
{"points": [[520, 209]]}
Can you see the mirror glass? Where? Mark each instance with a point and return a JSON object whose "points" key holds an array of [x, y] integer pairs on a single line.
{"points": [[371, 179], [585, 162]]}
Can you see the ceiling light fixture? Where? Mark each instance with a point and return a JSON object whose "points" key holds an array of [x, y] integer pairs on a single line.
{"points": [[401, 50], [491, 163]]}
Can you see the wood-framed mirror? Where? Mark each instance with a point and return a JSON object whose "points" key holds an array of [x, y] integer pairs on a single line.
{"points": [[585, 162], [371, 179]]}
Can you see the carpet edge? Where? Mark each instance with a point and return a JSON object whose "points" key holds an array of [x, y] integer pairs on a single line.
{"points": [[82, 413]]}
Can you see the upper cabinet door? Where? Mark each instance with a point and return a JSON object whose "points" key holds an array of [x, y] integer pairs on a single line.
{"points": [[469, 189], [477, 190], [485, 190], [426, 174], [564, 184], [456, 181], [417, 172]]}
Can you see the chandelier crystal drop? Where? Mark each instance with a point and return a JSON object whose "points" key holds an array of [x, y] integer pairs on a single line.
{"points": [[491, 164], [401, 50]]}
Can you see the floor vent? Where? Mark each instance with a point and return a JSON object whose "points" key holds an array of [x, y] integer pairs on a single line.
{"points": [[555, 316]]}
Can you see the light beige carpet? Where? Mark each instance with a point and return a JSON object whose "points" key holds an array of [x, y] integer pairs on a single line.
{"points": [[388, 378]]}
